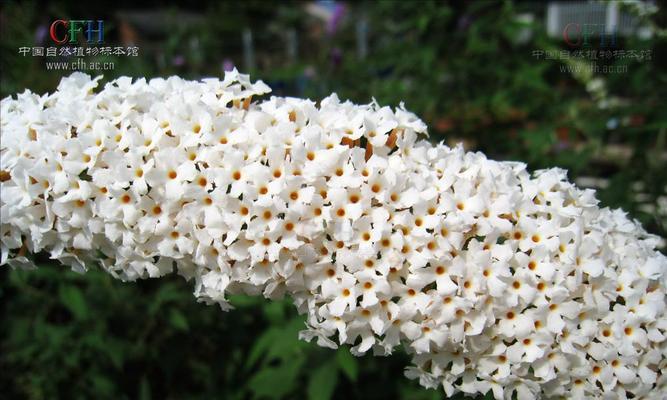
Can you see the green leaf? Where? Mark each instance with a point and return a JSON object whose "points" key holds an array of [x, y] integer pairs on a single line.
{"points": [[347, 363], [178, 320], [322, 383], [287, 342], [168, 293], [260, 347], [274, 312], [276, 382], [144, 389], [72, 298], [241, 300], [102, 384]]}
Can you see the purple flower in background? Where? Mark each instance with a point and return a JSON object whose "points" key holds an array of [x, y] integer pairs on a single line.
{"points": [[227, 64], [178, 60], [463, 23], [339, 10], [41, 33], [336, 56], [331, 12]]}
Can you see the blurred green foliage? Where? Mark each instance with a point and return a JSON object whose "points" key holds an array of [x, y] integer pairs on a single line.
{"points": [[467, 69], [76, 336]]}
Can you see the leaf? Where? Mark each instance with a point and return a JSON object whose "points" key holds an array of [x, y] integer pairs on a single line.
{"points": [[72, 298], [116, 355], [168, 293], [278, 343], [422, 22], [178, 320], [322, 383], [347, 363], [144, 389], [274, 312], [276, 382], [241, 301], [262, 344], [102, 384]]}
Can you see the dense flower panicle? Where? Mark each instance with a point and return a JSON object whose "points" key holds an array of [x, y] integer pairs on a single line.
{"points": [[492, 278]]}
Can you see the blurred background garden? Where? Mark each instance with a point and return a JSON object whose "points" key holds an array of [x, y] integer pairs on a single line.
{"points": [[580, 85]]}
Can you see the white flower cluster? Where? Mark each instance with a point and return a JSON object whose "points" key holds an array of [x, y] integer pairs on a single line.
{"points": [[491, 278]]}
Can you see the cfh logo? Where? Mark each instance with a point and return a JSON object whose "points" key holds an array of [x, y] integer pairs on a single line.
{"points": [[63, 31], [580, 35]]}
